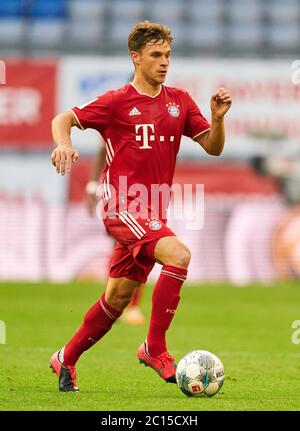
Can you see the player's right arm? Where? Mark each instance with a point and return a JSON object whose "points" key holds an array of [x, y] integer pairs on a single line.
{"points": [[64, 154], [95, 114]]}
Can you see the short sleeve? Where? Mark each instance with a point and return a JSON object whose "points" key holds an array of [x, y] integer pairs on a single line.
{"points": [[94, 114], [195, 123]]}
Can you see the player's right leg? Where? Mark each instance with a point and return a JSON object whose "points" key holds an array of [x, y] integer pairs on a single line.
{"points": [[97, 322]]}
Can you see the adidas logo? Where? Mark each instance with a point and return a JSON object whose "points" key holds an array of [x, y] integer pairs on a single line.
{"points": [[134, 111]]}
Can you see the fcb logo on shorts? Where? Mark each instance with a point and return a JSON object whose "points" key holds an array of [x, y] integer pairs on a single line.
{"points": [[173, 109], [155, 225]]}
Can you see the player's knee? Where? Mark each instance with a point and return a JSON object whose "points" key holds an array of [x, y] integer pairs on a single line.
{"points": [[120, 300], [119, 292], [181, 257], [123, 298]]}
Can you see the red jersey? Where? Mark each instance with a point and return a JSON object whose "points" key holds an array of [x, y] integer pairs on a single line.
{"points": [[142, 135]]}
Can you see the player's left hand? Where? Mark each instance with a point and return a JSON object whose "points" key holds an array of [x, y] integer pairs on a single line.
{"points": [[220, 102]]}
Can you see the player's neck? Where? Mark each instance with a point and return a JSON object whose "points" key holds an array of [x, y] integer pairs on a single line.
{"points": [[144, 87]]}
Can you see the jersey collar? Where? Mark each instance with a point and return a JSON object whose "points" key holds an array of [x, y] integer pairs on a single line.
{"points": [[145, 94]]}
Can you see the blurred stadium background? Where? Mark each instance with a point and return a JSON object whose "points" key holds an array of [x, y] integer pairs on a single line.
{"points": [[59, 53]]}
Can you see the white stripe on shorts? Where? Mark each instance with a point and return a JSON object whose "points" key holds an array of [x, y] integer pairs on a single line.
{"points": [[129, 224], [108, 185], [134, 221]]}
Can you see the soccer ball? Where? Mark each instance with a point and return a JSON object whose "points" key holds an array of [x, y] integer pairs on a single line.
{"points": [[200, 374]]}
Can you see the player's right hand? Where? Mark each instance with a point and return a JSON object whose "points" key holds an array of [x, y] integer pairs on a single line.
{"points": [[91, 203], [62, 158], [91, 197]]}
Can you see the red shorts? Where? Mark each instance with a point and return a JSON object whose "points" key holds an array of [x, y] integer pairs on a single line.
{"points": [[133, 255]]}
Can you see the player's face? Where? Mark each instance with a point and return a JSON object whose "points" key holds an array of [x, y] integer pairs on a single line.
{"points": [[153, 61]]}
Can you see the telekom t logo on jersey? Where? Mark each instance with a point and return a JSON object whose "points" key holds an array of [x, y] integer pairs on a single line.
{"points": [[147, 136]]}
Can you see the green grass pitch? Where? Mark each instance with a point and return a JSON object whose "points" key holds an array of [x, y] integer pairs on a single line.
{"points": [[249, 329]]}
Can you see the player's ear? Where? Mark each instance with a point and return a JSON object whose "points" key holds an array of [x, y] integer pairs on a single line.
{"points": [[134, 57]]}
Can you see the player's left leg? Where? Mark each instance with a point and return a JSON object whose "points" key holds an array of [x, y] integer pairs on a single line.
{"points": [[175, 257], [149, 240]]}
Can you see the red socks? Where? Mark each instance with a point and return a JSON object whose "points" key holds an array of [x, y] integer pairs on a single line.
{"points": [[101, 316], [165, 298], [97, 322]]}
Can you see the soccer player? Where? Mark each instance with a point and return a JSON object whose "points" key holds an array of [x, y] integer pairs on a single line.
{"points": [[142, 124], [133, 314]]}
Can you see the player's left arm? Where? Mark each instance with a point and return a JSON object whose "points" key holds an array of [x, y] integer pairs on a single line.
{"points": [[213, 140]]}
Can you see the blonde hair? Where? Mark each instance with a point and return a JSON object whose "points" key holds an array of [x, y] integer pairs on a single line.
{"points": [[147, 31]]}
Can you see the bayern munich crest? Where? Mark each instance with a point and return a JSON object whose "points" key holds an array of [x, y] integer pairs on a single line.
{"points": [[155, 225], [173, 109]]}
